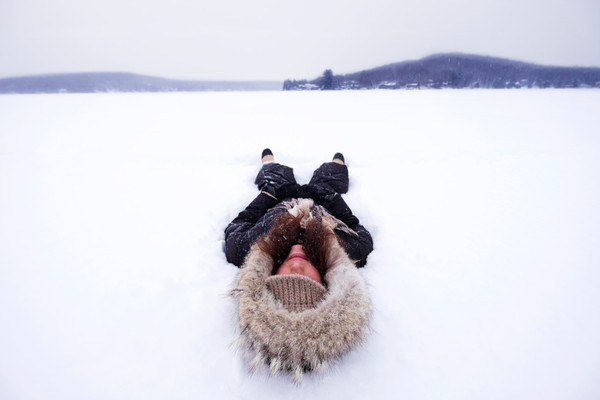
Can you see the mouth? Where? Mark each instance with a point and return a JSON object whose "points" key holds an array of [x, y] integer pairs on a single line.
{"points": [[297, 255]]}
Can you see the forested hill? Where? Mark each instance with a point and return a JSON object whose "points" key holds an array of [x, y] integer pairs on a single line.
{"points": [[438, 71], [121, 82], [455, 71]]}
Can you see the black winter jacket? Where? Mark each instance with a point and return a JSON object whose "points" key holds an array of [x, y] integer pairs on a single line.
{"points": [[277, 181], [257, 219]]}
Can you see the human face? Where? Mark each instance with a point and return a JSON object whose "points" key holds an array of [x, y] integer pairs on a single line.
{"points": [[297, 263]]}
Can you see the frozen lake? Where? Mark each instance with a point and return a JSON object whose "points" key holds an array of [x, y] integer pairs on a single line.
{"points": [[482, 205]]}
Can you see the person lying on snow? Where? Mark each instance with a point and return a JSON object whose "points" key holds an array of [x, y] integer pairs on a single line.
{"points": [[301, 302]]}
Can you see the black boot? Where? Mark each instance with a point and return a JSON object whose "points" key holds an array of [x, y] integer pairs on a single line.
{"points": [[267, 156], [339, 158]]}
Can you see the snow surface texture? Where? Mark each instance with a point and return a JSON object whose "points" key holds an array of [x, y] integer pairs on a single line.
{"points": [[482, 205]]}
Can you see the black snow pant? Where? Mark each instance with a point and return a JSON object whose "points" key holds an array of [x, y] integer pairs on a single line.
{"points": [[329, 177]]}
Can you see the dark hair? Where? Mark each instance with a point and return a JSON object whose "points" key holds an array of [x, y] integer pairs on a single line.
{"points": [[286, 232]]}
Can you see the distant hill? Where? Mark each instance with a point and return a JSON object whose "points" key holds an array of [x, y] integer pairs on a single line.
{"points": [[121, 82], [455, 70]]}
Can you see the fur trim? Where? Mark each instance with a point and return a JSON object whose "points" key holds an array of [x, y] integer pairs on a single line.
{"points": [[298, 342]]}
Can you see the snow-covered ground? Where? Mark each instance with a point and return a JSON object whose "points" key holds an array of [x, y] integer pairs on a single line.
{"points": [[483, 206]]}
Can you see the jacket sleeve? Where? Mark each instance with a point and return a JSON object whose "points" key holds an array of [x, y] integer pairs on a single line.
{"points": [[357, 247], [239, 234]]}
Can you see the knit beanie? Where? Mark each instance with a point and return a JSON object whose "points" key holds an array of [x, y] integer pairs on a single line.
{"points": [[296, 292]]}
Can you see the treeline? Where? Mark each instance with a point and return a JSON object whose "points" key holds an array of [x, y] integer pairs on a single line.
{"points": [[455, 71], [121, 82]]}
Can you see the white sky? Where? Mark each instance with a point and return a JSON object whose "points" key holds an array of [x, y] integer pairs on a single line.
{"points": [[280, 39]]}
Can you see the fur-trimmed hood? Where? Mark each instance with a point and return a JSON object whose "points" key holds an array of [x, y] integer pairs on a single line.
{"points": [[298, 342]]}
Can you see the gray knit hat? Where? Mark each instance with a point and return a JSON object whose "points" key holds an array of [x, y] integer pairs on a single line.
{"points": [[296, 292]]}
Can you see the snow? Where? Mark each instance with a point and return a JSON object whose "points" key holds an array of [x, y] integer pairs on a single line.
{"points": [[484, 279]]}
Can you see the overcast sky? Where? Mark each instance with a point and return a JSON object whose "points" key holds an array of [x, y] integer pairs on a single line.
{"points": [[280, 39]]}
